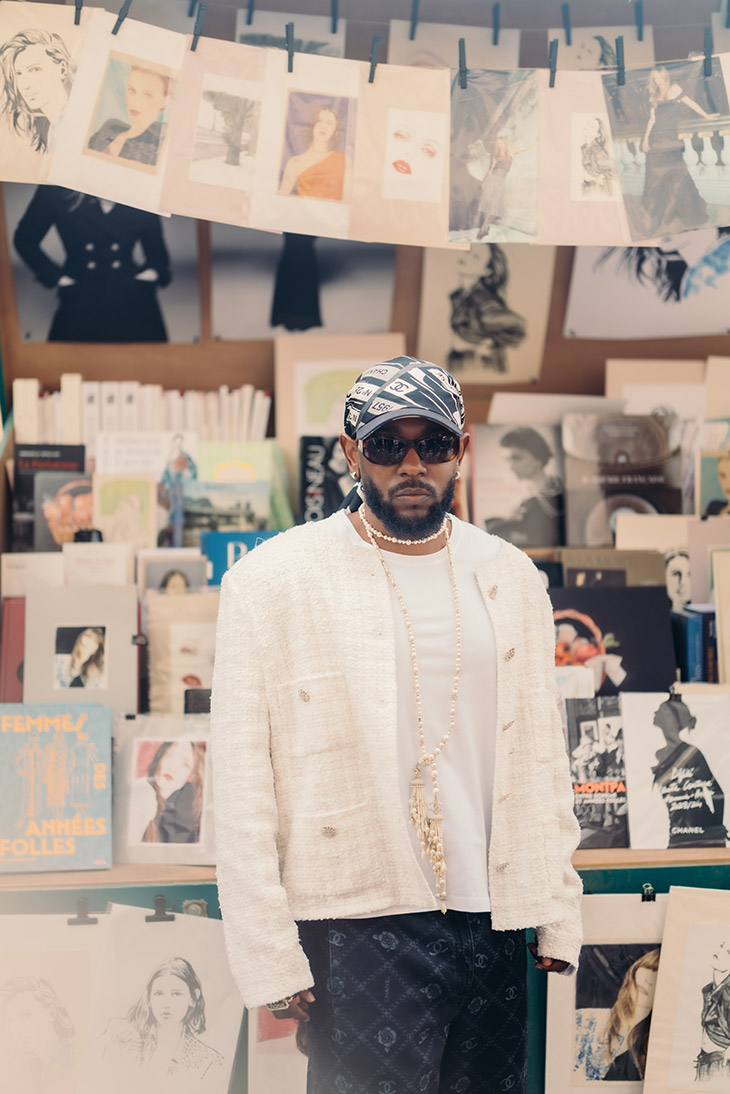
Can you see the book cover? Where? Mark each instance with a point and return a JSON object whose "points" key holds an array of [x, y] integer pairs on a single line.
{"points": [[12, 649], [29, 460], [597, 767], [224, 548], [64, 504], [687, 634], [706, 613], [588, 567], [249, 461], [623, 635], [55, 810], [125, 508], [324, 478], [614, 463], [223, 507]]}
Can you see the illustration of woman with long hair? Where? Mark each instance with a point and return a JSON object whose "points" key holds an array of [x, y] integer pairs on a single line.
{"points": [[596, 161], [37, 73], [677, 270], [160, 1035], [670, 201], [36, 1038], [140, 135], [483, 323], [176, 774], [86, 664], [322, 170], [594, 51], [627, 1029]]}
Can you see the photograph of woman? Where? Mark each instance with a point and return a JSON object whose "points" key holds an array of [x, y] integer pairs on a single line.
{"points": [[168, 792], [37, 73], [36, 1038], [627, 1029], [318, 126], [538, 518], [158, 1045], [143, 95], [493, 197], [79, 657]]}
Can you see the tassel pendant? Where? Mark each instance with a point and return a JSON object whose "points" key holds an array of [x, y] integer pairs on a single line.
{"points": [[418, 811], [436, 856]]}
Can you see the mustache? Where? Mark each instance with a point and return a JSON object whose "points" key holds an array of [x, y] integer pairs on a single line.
{"points": [[407, 486]]}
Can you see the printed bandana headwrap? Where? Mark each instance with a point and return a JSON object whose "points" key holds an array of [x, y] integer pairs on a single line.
{"points": [[403, 387]]}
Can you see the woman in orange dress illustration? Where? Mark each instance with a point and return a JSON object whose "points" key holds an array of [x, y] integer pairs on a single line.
{"points": [[322, 170]]}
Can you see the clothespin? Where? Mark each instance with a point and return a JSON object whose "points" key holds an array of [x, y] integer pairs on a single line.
{"points": [[462, 64], [727, 13], [495, 24], [123, 13], [334, 16], [648, 892], [620, 63], [77, 13], [82, 917], [249, 12], [202, 8], [708, 51], [290, 45], [161, 915], [414, 19], [191, 8], [565, 11], [553, 60], [374, 49], [639, 17]]}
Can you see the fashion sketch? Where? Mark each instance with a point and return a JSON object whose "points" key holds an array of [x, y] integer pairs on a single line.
{"points": [[137, 137], [37, 73], [593, 174], [36, 1038], [317, 125], [713, 1058], [483, 324], [161, 1035]]}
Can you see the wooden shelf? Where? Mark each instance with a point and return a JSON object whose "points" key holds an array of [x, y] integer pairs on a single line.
{"points": [[122, 874], [608, 858]]}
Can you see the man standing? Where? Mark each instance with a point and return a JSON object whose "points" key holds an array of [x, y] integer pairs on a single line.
{"points": [[393, 797]]}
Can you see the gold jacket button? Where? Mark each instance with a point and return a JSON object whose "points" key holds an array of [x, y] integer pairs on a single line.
{"points": [[328, 830], [303, 695]]}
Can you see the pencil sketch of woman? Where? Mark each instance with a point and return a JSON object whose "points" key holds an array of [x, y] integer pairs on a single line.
{"points": [[176, 775], [36, 1038], [160, 1036], [713, 1059], [594, 51], [37, 73], [139, 137], [689, 264], [670, 201], [627, 1029], [86, 664], [483, 324], [322, 170], [596, 161]]}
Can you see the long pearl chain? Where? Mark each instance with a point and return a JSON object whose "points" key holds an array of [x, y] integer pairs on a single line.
{"points": [[427, 822]]}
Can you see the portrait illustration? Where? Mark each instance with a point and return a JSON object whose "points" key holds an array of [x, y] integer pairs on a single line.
{"points": [[316, 159], [416, 149], [592, 170]]}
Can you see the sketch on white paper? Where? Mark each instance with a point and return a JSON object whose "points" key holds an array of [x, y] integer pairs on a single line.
{"points": [[416, 145], [226, 133], [595, 47], [702, 1011], [592, 169]]}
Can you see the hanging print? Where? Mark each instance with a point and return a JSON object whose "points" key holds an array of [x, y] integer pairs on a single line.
{"points": [[663, 122]]}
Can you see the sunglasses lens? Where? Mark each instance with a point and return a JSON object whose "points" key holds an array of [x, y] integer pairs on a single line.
{"points": [[438, 447], [387, 450], [383, 449]]}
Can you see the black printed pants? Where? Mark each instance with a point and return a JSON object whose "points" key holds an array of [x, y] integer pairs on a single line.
{"points": [[422, 1003]]}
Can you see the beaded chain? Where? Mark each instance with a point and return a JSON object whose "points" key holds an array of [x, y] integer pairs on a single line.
{"points": [[428, 823]]}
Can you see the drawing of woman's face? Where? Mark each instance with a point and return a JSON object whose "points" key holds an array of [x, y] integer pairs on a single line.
{"points": [[676, 575], [414, 155], [324, 127], [146, 97], [170, 999], [40, 80], [592, 130], [721, 958], [522, 463], [29, 1024], [587, 53], [174, 768], [723, 474]]}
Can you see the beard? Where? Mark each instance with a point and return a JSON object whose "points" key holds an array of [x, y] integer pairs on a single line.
{"points": [[397, 523]]}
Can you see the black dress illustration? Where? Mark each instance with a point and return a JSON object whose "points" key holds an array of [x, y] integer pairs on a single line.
{"points": [[693, 797], [106, 302], [671, 200]]}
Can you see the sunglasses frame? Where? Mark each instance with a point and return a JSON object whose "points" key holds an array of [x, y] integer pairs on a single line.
{"points": [[408, 446]]}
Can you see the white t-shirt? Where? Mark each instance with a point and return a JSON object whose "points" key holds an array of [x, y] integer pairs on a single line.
{"points": [[466, 764]]}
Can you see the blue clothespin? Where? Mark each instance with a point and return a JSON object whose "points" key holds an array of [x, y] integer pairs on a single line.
{"points": [[191, 8], [462, 64], [727, 14], [123, 13], [565, 11], [202, 8], [374, 50], [334, 16], [414, 19], [639, 17], [77, 13], [290, 45], [620, 63], [249, 12], [553, 60], [708, 51], [495, 24]]}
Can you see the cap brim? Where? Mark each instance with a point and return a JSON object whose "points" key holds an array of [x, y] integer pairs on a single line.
{"points": [[363, 431]]}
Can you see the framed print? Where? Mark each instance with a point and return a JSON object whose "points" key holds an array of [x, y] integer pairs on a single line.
{"points": [[163, 791], [164, 559], [181, 634], [598, 1021], [80, 645]]}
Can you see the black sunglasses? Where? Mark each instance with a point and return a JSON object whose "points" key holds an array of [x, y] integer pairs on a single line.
{"points": [[388, 450]]}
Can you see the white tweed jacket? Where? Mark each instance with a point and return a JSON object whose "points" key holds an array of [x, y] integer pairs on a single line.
{"points": [[309, 821]]}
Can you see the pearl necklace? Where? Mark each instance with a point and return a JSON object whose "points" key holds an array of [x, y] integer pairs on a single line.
{"points": [[428, 823], [394, 539]]}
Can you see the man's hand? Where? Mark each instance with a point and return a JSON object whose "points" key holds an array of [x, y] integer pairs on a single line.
{"points": [[547, 964], [298, 1008]]}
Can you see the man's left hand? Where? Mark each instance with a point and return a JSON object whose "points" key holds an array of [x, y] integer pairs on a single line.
{"points": [[547, 964]]}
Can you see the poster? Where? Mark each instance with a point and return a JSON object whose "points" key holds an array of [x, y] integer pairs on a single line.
{"points": [[312, 33], [595, 47], [598, 771], [436, 45], [677, 768], [484, 312], [663, 123], [676, 289], [40, 49], [494, 160]]}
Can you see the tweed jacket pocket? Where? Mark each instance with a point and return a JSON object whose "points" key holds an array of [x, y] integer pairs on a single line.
{"points": [[331, 854], [312, 715]]}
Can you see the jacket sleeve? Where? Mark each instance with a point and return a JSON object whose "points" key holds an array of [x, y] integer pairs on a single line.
{"points": [[561, 939], [33, 227], [261, 935]]}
